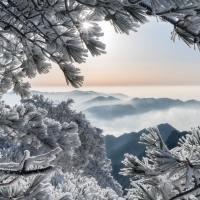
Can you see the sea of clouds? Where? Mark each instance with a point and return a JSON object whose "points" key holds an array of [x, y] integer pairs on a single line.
{"points": [[182, 119]]}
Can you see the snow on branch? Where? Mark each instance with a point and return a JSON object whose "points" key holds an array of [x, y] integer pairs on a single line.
{"points": [[23, 168], [32, 33], [165, 174]]}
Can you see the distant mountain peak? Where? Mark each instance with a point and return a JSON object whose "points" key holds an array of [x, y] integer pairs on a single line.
{"points": [[103, 98], [166, 125], [116, 147], [160, 127]]}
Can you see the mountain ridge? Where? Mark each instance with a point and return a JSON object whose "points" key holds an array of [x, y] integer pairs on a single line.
{"points": [[138, 106], [116, 147]]}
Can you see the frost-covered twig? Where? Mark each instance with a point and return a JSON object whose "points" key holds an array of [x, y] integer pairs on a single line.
{"points": [[22, 168]]}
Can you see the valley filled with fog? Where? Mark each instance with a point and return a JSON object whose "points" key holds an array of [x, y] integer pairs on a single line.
{"points": [[117, 113]]}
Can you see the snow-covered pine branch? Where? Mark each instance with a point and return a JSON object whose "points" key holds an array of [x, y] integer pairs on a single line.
{"points": [[165, 174], [45, 185], [29, 166], [80, 187], [32, 32]]}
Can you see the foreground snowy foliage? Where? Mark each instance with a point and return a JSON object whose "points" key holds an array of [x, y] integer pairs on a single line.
{"points": [[88, 145], [51, 152], [165, 174]]}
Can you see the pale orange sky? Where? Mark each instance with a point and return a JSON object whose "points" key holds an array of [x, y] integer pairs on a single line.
{"points": [[147, 57]]}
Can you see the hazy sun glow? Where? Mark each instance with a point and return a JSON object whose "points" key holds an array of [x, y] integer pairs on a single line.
{"points": [[86, 25]]}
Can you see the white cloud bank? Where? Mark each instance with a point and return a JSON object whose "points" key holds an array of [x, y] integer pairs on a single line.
{"points": [[180, 118]]}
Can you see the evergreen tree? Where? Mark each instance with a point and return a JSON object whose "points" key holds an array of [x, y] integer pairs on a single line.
{"points": [[35, 31], [165, 174], [42, 158], [89, 155]]}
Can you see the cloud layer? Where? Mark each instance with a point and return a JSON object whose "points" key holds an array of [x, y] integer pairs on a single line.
{"points": [[116, 114], [180, 118]]}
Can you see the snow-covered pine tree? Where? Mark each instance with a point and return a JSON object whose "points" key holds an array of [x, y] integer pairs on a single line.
{"points": [[165, 174], [34, 31], [89, 155], [41, 158]]}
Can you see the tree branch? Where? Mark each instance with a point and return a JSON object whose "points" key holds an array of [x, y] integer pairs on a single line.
{"points": [[185, 193], [20, 169]]}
